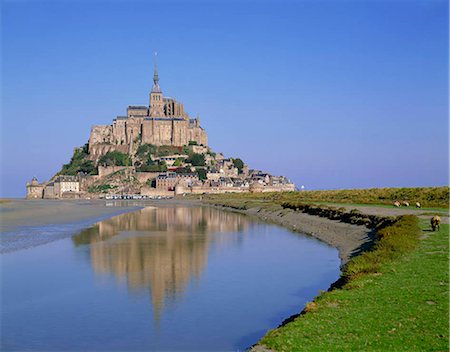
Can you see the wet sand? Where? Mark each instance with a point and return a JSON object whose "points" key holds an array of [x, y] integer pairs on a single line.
{"points": [[18, 212], [29, 223]]}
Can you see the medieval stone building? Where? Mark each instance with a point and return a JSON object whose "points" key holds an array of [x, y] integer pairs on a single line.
{"points": [[162, 122], [34, 189], [62, 186]]}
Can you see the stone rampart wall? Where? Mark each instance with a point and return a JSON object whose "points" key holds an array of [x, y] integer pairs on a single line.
{"points": [[87, 181], [72, 195], [142, 177], [148, 191], [49, 192], [290, 187]]}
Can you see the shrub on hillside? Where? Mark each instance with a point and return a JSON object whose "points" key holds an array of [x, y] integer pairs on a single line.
{"points": [[115, 158], [146, 150], [79, 163], [178, 162], [196, 159], [151, 166], [166, 150]]}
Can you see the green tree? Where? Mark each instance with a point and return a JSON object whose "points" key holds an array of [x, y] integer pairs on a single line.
{"points": [[178, 162], [201, 173], [85, 149], [162, 166], [193, 143], [79, 163], [152, 166], [186, 149], [196, 159], [146, 149], [88, 167], [239, 164], [115, 158]]}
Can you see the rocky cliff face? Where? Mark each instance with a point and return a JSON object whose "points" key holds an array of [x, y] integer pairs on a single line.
{"points": [[127, 135]]}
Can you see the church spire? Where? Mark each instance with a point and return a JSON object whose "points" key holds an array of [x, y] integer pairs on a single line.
{"points": [[156, 88]]}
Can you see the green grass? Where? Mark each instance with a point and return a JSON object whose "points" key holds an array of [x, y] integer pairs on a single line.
{"points": [[429, 197], [401, 304], [412, 208]]}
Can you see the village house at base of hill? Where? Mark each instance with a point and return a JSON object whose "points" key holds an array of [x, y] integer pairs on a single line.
{"points": [[155, 150]]}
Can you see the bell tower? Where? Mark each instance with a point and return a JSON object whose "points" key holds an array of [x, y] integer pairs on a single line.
{"points": [[156, 96]]}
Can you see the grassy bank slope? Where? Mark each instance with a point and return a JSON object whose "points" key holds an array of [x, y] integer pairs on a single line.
{"points": [[396, 301], [430, 197]]}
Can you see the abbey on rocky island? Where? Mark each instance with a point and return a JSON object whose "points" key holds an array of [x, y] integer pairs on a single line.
{"points": [[153, 151], [162, 122]]}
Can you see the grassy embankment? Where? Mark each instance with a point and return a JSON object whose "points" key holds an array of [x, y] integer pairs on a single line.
{"points": [[393, 297], [431, 198]]}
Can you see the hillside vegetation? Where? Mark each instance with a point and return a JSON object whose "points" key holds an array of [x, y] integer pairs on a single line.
{"points": [[79, 163], [430, 197]]}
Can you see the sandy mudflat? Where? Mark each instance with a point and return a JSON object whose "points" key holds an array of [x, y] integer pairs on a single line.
{"points": [[19, 213], [29, 223]]}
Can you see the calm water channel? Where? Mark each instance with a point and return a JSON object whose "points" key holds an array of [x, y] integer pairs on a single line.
{"points": [[174, 278]]}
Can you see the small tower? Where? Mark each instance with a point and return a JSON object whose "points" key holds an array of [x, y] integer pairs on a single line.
{"points": [[156, 96], [34, 181]]}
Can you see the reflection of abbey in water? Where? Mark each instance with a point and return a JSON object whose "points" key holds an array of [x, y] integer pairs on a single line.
{"points": [[160, 249]]}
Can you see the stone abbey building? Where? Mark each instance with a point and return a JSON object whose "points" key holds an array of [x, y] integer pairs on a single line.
{"points": [[162, 122]]}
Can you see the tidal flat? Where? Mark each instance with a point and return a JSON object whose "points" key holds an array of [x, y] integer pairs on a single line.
{"points": [[169, 277], [29, 223]]}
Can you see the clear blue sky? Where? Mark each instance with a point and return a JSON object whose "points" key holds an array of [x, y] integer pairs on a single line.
{"points": [[332, 94]]}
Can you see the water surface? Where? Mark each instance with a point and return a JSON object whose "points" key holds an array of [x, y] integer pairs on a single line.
{"points": [[174, 278]]}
